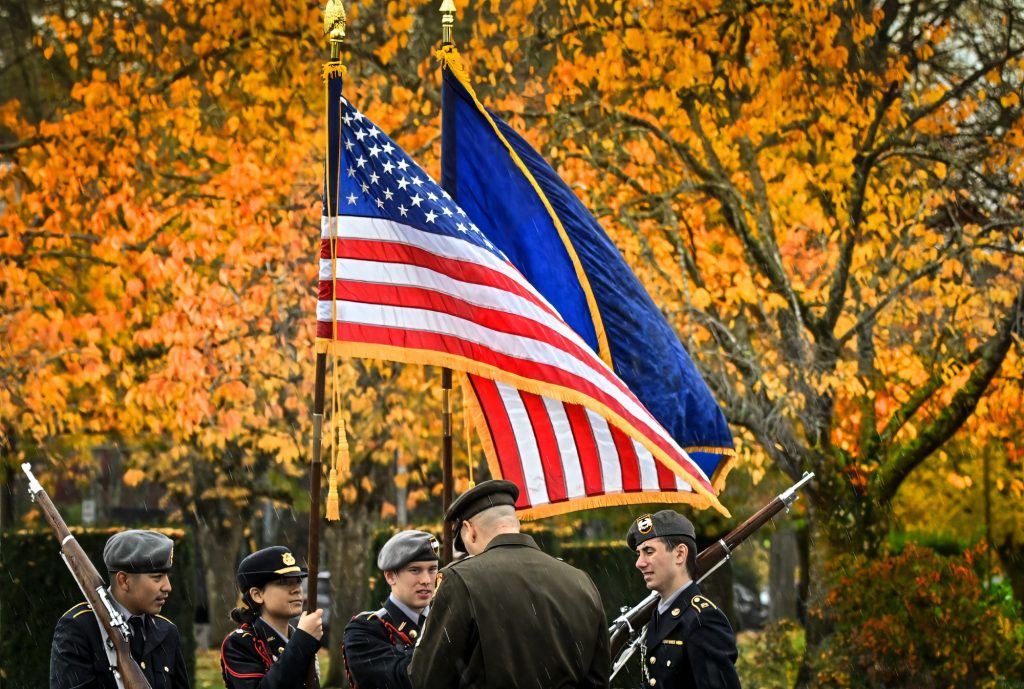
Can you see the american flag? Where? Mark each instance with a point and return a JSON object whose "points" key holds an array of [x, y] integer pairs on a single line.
{"points": [[405, 275]]}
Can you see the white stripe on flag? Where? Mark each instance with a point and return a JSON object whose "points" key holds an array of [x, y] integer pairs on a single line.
{"points": [[526, 441], [648, 470], [568, 455], [611, 472]]}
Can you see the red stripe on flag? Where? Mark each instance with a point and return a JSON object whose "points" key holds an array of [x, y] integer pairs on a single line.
{"points": [[547, 444], [627, 460], [586, 447], [502, 434], [666, 479]]}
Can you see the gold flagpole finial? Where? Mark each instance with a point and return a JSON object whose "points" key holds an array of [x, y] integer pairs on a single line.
{"points": [[334, 26], [447, 21]]}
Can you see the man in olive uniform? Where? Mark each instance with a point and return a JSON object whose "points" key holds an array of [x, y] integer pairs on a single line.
{"points": [[138, 562], [378, 645], [509, 615], [688, 642]]}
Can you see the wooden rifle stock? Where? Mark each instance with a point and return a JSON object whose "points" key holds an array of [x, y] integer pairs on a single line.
{"points": [[92, 585], [708, 560]]}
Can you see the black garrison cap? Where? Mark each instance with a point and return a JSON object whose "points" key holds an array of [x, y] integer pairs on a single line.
{"points": [[267, 565], [138, 552], [405, 547], [659, 525], [481, 497]]}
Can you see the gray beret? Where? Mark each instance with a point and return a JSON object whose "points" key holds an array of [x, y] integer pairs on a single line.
{"points": [[405, 547], [138, 552], [659, 525]]}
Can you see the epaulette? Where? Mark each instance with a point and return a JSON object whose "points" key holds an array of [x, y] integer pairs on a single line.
{"points": [[700, 604], [88, 608], [368, 614]]}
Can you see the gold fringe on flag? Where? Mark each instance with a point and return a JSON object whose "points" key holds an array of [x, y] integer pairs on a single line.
{"points": [[466, 425]]}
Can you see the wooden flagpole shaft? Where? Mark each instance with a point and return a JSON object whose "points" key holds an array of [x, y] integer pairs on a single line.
{"points": [[315, 470], [446, 457], [313, 544]]}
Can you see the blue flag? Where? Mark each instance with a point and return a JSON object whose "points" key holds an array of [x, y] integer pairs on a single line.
{"points": [[521, 205]]}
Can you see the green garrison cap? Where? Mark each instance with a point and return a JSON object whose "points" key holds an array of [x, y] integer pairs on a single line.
{"points": [[477, 499], [659, 525], [405, 547], [138, 552]]}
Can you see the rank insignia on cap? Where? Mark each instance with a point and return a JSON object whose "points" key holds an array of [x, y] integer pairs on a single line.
{"points": [[288, 559], [676, 612], [435, 546], [644, 524]]}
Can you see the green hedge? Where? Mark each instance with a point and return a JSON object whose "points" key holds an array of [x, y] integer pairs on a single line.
{"points": [[38, 589]]}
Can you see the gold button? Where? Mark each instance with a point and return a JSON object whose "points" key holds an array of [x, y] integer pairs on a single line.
{"points": [[668, 662], [143, 664], [653, 681], [166, 669], [653, 660], [412, 633], [676, 612]]}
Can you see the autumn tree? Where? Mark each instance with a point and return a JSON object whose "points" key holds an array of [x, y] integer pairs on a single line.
{"points": [[826, 199]]}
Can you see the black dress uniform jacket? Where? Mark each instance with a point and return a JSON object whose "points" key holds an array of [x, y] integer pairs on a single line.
{"points": [[256, 656], [513, 617], [378, 647], [78, 658], [691, 644]]}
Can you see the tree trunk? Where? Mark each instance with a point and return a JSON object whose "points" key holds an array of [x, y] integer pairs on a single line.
{"points": [[347, 545], [220, 549], [818, 623], [1011, 556], [782, 569]]}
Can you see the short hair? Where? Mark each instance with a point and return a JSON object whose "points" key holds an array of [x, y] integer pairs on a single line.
{"points": [[490, 519], [691, 551]]}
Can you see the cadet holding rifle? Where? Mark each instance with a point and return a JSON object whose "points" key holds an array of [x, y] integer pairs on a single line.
{"points": [[138, 562], [116, 638], [688, 642]]}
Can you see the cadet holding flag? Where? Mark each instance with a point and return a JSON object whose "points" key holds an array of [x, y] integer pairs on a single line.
{"points": [[509, 615], [378, 645], [688, 642], [266, 652]]}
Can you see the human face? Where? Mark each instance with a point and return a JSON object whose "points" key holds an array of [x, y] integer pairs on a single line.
{"points": [[280, 600], [413, 585], [142, 594], [664, 570]]}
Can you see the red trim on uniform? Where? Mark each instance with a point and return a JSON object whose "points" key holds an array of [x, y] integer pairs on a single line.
{"points": [[262, 653]]}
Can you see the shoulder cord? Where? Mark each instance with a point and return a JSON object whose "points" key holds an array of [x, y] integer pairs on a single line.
{"points": [[260, 645], [392, 630]]}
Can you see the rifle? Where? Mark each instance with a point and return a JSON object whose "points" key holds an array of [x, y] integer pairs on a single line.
{"points": [[709, 559], [127, 672]]}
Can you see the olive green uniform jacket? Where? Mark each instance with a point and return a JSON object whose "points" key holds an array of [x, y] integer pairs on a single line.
{"points": [[513, 617]]}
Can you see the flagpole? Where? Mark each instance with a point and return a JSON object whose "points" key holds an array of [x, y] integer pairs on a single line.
{"points": [[447, 479], [334, 28]]}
